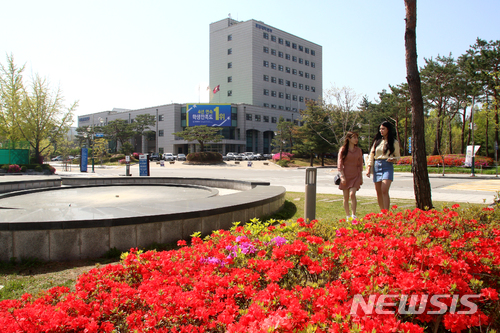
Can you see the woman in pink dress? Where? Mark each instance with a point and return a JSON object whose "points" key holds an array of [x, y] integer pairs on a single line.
{"points": [[350, 167]]}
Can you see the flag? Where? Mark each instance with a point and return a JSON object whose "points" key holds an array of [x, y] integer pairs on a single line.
{"points": [[216, 89], [208, 88]]}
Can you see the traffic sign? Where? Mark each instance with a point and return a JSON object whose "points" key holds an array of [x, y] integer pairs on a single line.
{"points": [[99, 135]]}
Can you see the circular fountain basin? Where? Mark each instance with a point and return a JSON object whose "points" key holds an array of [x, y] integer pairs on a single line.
{"points": [[82, 217]]}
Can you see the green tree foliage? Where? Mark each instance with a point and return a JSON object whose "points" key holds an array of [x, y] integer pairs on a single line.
{"points": [[142, 123], [119, 130], [283, 139], [33, 112], [203, 134]]}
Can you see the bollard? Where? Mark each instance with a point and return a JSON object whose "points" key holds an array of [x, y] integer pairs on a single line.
{"points": [[310, 194], [127, 170]]}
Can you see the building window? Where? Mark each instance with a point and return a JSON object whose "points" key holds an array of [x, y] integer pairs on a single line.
{"points": [[266, 119], [307, 75], [294, 46], [281, 95], [273, 93], [229, 65], [280, 54], [296, 122], [266, 78], [265, 35], [301, 99], [266, 63], [229, 38], [282, 107], [229, 51], [280, 68], [301, 73], [313, 89], [313, 77], [307, 63], [301, 61], [273, 38], [313, 52], [273, 65], [273, 106], [273, 79], [294, 71], [294, 84], [280, 40], [257, 117], [273, 52], [288, 108], [274, 120], [313, 65], [301, 86], [294, 58], [266, 105], [229, 93], [280, 81], [287, 83], [294, 97], [287, 43], [287, 56], [301, 48], [288, 70], [307, 50], [266, 49], [229, 79], [161, 117], [266, 92], [307, 87], [287, 96], [160, 132], [249, 116]]}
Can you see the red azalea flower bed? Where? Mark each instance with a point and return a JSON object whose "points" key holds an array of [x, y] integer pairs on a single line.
{"points": [[285, 278], [450, 160]]}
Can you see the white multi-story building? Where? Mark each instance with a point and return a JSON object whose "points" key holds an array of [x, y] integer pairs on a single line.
{"points": [[263, 74], [254, 63]]}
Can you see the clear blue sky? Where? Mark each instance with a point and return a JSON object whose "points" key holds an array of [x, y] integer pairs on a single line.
{"points": [[135, 54]]}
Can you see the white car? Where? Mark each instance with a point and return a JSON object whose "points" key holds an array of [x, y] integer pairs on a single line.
{"points": [[168, 157]]}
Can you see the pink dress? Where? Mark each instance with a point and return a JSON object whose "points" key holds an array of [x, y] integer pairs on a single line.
{"points": [[352, 167]]}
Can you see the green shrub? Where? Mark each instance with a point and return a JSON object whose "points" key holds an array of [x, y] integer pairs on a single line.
{"points": [[24, 168], [116, 157], [38, 168], [204, 157]]}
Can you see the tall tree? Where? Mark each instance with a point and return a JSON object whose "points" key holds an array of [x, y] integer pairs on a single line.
{"points": [[37, 112], [437, 77], [119, 130], [203, 134], [421, 182]]}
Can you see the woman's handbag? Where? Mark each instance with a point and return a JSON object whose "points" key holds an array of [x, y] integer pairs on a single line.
{"points": [[336, 180]]}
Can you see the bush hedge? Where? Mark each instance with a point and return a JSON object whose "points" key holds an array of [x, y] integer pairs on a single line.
{"points": [[204, 157], [450, 160]]}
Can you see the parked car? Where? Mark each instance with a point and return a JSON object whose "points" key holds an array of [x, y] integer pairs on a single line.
{"points": [[57, 158], [258, 157], [250, 156], [181, 157], [230, 157], [168, 157], [241, 157], [154, 157]]}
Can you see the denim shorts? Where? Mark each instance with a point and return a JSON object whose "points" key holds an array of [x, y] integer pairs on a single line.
{"points": [[382, 170]]}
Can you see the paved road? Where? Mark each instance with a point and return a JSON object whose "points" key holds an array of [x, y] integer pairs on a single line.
{"points": [[452, 188]]}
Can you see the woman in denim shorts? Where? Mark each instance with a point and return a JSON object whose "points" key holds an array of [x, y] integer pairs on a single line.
{"points": [[384, 152]]}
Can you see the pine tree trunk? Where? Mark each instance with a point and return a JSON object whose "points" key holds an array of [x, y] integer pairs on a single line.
{"points": [[421, 182]]}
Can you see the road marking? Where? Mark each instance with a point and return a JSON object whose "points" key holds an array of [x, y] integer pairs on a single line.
{"points": [[478, 185]]}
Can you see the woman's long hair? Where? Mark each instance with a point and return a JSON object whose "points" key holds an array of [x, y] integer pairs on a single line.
{"points": [[390, 138], [348, 136]]}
